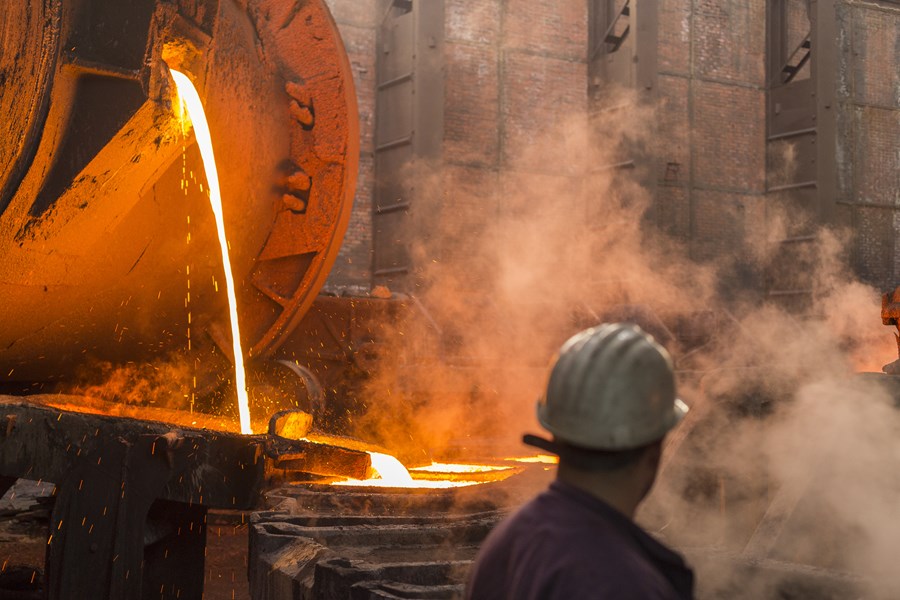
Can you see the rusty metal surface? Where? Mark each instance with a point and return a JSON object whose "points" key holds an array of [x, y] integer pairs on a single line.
{"points": [[218, 469], [31, 33], [341, 340], [890, 307], [622, 47], [104, 251], [356, 556], [131, 496], [108, 510], [341, 542], [319, 184], [890, 315], [134, 492], [210, 463], [825, 57], [800, 142], [430, 568]]}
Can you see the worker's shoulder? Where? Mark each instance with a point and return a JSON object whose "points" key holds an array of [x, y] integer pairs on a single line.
{"points": [[590, 563], [616, 579], [545, 551], [591, 538], [552, 526]]}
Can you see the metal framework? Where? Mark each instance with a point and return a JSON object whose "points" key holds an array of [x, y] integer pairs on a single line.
{"points": [[409, 131]]}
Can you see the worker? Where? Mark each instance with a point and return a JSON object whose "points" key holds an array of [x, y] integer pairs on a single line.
{"points": [[609, 402]]}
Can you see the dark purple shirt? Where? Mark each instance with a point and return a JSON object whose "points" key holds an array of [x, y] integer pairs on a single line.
{"points": [[567, 544]]}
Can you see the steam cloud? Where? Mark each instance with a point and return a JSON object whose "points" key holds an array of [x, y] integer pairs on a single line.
{"points": [[523, 263]]}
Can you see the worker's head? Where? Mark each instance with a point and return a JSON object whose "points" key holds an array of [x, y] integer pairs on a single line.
{"points": [[610, 399]]}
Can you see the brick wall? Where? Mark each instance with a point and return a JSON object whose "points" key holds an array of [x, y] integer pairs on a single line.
{"points": [[357, 22], [869, 135], [710, 157], [513, 68], [510, 67]]}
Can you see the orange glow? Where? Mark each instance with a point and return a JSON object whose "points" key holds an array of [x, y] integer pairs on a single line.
{"points": [[458, 468], [390, 472], [192, 111], [547, 459], [389, 468]]}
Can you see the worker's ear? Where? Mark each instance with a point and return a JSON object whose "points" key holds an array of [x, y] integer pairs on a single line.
{"points": [[653, 454], [648, 467]]}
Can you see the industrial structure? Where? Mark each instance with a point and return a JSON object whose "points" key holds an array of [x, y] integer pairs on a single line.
{"points": [[392, 172], [763, 109]]}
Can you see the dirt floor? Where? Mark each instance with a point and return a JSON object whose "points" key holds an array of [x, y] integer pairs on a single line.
{"points": [[226, 560]]}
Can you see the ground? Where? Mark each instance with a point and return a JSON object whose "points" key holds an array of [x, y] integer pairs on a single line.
{"points": [[24, 516]]}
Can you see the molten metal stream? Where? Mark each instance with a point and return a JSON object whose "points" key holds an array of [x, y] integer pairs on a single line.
{"points": [[190, 102]]}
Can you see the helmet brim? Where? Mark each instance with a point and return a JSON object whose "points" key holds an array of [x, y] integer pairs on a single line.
{"points": [[586, 459], [537, 441]]}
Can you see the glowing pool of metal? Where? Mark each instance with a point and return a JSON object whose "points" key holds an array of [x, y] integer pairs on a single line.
{"points": [[547, 459], [388, 472], [457, 468]]}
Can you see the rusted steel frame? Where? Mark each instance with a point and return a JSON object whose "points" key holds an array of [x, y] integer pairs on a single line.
{"points": [[214, 468], [408, 131], [612, 40], [789, 70], [218, 469], [824, 68], [132, 495], [305, 456]]}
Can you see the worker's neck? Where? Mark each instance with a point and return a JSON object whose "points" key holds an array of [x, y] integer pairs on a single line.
{"points": [[623, 490]]}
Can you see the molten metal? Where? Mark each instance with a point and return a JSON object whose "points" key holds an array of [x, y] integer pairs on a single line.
{"points": [[390, 472], [390, 469], [191, 104], [458, 469], [546, 459]]}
